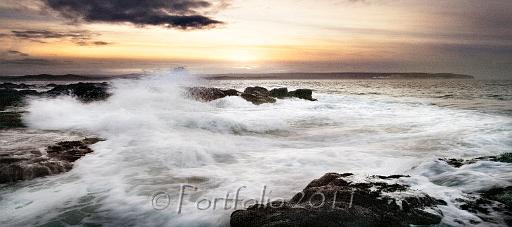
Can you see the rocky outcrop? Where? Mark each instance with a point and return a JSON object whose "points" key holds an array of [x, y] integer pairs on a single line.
{"points": [[12, 98], [8, 85], [205, 94], [302, 94], [56, 159], [85, 92], [256, 95], [10, 120], [279, 93], [342, 200]]}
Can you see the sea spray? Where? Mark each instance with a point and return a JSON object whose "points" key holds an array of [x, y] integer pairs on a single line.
{"points": [[158, 140]]}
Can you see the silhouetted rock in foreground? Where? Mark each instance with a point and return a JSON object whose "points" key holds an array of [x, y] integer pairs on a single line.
{"points": [[341, 200], [58, 158]]}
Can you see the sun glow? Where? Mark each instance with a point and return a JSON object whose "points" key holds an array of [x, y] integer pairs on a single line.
{"points": [[242, 56]]}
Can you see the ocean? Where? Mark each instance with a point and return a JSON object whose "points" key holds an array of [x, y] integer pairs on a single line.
{"points": [[157, 141]]}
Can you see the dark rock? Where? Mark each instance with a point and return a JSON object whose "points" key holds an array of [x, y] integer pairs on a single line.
{"points": [[502, 195], [302, 94], [8, 85], [505, 157], [257, 91], [337, 200], [85, 92], [490, 205], [10, 120], [231, 92], [258, 100], [391, 176], [29, 92], [92, 140], [257, 95], [59, 159], [68, 150], [205, 94], [10, 97], [279, 92]]}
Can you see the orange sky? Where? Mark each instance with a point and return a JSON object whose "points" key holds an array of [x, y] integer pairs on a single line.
{"points": [[385, 35]]}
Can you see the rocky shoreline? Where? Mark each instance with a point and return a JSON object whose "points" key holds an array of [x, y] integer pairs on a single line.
{"points": [[344, 200], [348, 200], [55, 159]]}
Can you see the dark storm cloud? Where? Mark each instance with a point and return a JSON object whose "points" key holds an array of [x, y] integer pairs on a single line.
{"points": [[182, 14], [81, 38]]}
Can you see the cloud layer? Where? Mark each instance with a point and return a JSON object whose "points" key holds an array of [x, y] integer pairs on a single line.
{"points": [[79, 37], [182, 14]]}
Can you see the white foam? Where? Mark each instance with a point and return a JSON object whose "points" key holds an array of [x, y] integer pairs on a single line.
{"points": [[157, 140]]}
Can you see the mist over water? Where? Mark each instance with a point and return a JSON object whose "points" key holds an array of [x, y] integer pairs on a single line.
{"points": [[157, 139]]}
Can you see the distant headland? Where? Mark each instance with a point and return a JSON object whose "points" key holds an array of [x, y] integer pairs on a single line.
{"points": [[251, 76]]}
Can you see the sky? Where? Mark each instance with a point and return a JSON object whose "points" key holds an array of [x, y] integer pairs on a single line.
{"points": [[113, 37]]}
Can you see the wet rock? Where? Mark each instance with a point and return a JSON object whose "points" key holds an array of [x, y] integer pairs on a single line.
{"points": [[258, 100], [231, 92], [9, 97], [505, 157], [341, 200], [279, 93], [59, 159], [257, 95], [257, 91], [68, 150], [205, 94], [502, 195], [8, 85], [302, 94], [85, 92], [10, 120]]}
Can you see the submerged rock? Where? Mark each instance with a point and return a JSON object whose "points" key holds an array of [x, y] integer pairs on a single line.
{"points": [[341, 200], [85, 92], [457, 163], [59, 158]]}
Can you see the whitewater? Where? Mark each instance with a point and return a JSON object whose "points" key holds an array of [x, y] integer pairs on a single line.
{"points": [[156, 140]]}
